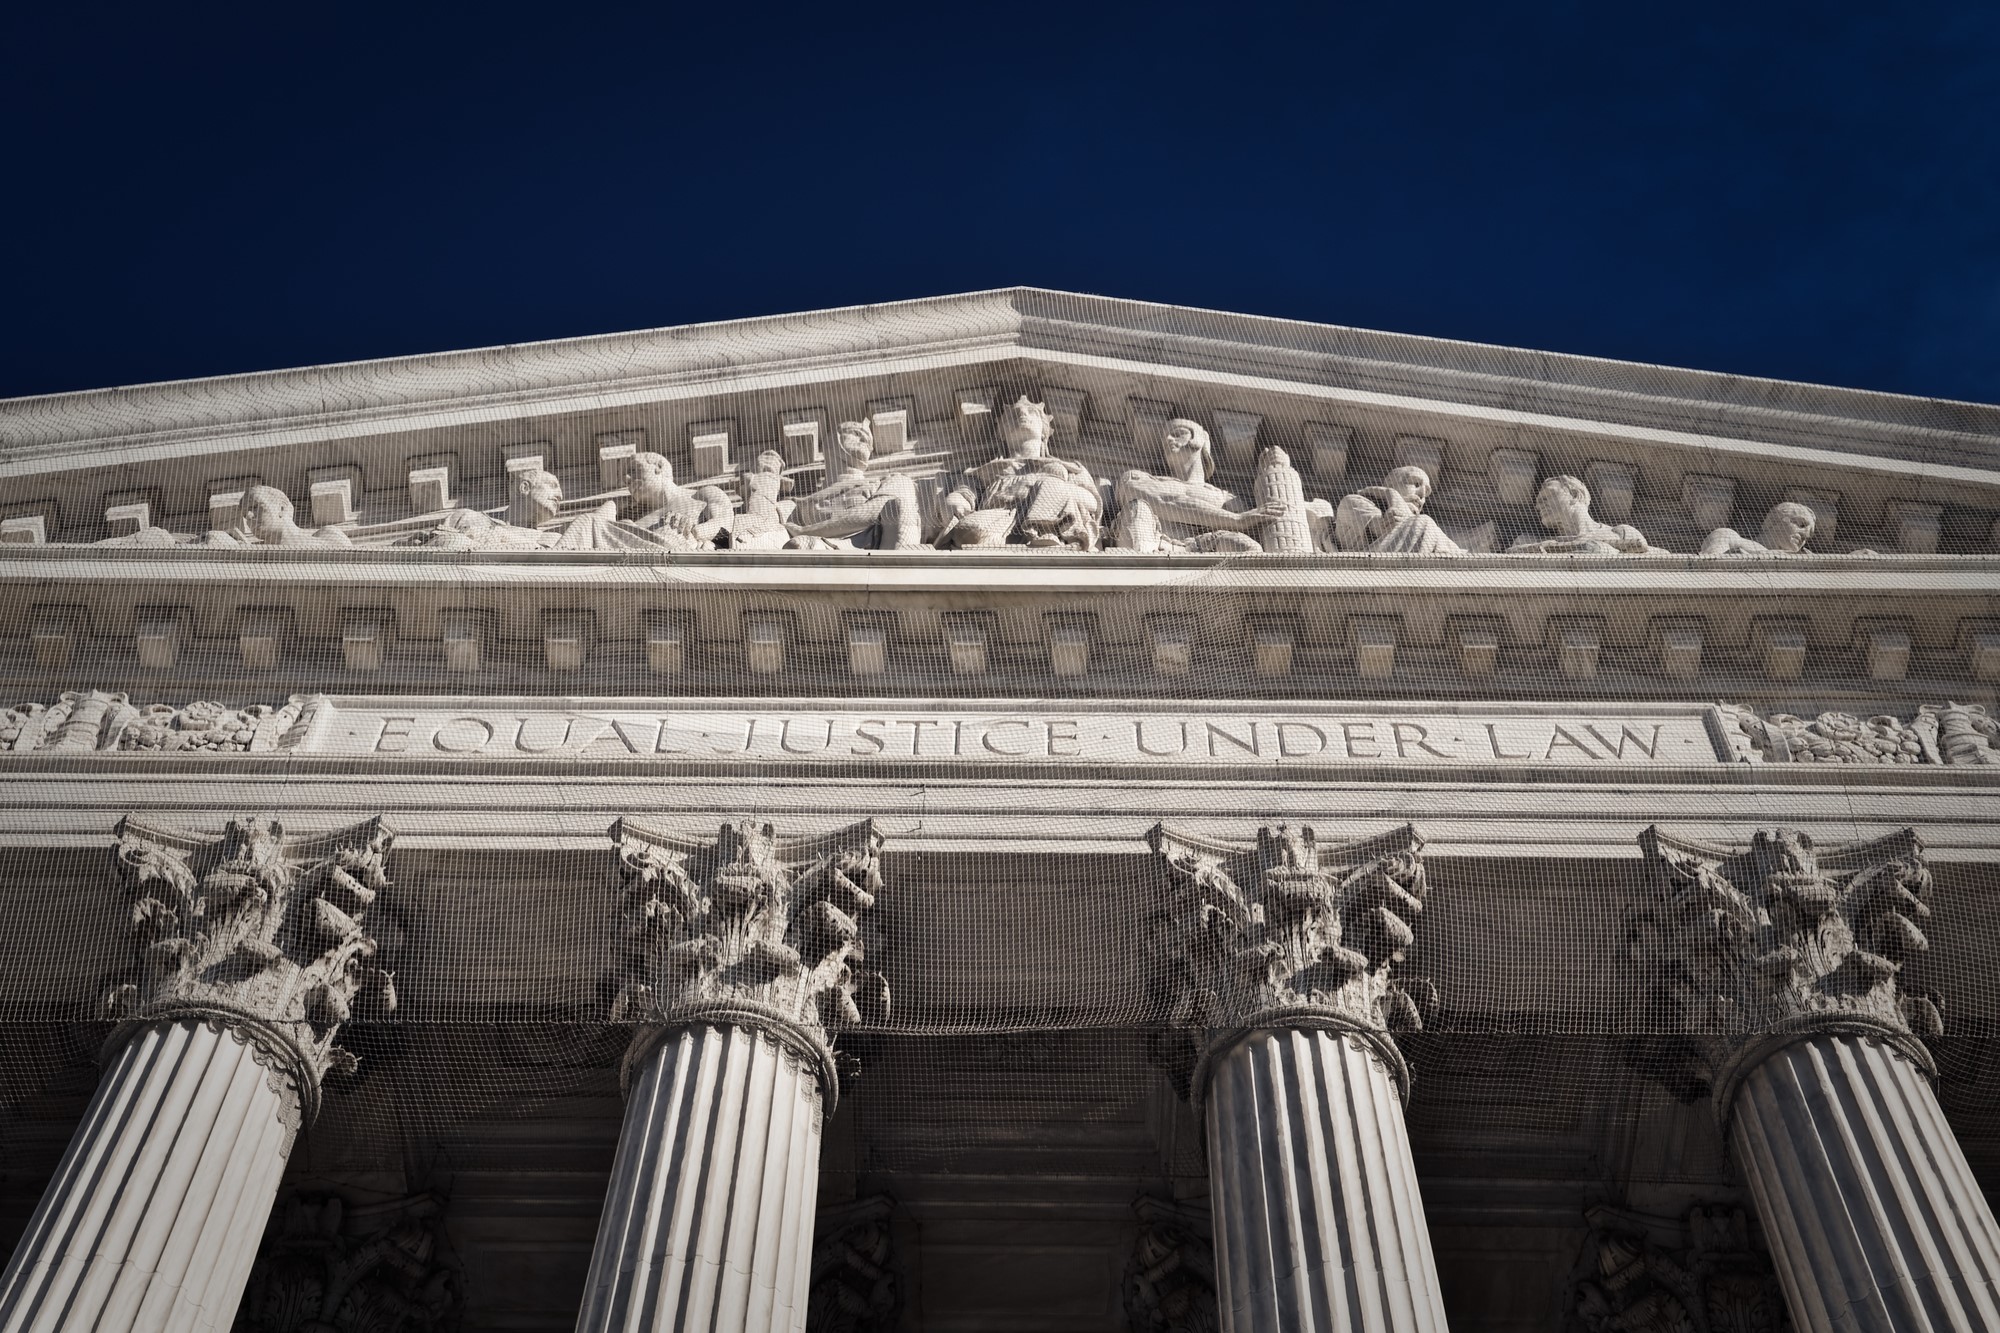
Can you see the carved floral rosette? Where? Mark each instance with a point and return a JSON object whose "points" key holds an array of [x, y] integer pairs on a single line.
{"points": [[1748, 950], [1648, 1275], [257, 934], [1285, 933], [753, 929]]}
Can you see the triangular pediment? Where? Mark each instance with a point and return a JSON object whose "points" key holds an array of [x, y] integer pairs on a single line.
{"points": [[374, 447]]}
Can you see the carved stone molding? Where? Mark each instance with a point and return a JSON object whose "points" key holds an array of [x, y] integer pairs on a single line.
{"points": [[1649, 1276], [89, 721], [1746, 951], [1170, 1278], [856, 1285], [1285, 933], [1830, 738], [750, 929], [330, 1267], [256, 933]]}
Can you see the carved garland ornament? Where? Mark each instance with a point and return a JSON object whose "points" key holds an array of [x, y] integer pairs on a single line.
{"points": [[1284, 934], [255, 935], [1747, 951], [750, 929]]}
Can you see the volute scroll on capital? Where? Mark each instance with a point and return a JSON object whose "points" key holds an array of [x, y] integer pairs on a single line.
{"points": [[1285, 933], [256, 933], [1747, 950], [753, 929]]}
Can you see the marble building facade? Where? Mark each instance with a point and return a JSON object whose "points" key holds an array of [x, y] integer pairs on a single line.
{"points": [[1011, 811]]}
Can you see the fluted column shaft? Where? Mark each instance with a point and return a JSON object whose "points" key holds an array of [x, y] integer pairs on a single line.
{"points": [[153, 1219], [1318, 1223], [1872, 1216], [708, 1224]]}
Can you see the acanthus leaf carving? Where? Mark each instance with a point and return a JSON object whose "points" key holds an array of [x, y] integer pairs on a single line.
{"points": [[257, 933], [752, 928], [855, 1284], [1650, 1276], [1170, 1278], [1285, 933], [1747, 949], [330, 1267]]}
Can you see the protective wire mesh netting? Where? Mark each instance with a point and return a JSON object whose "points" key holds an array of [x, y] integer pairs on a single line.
{"points": [[1020, 917]]}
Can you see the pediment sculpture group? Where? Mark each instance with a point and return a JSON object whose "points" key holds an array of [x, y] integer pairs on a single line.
{"points": [[1025, 497]]}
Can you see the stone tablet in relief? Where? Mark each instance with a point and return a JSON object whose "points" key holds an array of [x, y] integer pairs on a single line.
{"points": [[856, 509], [266, 517], [1184, 510], [1391, 518], [1026, 496], [1563, 505], [1787, 528]]}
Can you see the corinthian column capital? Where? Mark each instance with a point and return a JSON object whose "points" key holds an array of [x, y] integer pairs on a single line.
{"points": [[1286, 933], [257, 933], [1750, 950], [750, 929]]}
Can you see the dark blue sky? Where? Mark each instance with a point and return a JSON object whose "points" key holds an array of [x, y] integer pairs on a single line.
{"points": [[1806, 191]]}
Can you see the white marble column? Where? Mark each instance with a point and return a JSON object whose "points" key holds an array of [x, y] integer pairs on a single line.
{"points": [[708, 1224], [1871, 1214], [1776, 970], [153, 1218], [1317, 1220], [747, 955], [1277, 962]]}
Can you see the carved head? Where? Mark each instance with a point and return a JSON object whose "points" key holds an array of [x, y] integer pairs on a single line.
{"points": [[856, 440], [1410, 482], [1189, 453], [771, 461], [1788, 527], [1563, 505], [266, 513], [1027, 427], [650, 478], [538, 495]]}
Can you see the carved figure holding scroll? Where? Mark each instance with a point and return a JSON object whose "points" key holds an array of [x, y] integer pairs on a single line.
{"points": [[1787, 528], [1563, 505], [687, 518], [857, 509], [1391, 518], [1184, 510], [1026, 495]]}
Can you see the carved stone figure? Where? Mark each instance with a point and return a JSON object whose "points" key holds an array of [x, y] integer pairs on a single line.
{"points": [[1713, 1279], [1959, 734], [330, 1267], [1781, 938], [748, 925], [264, 517], [1563, 505], [1184, 510], [1026, 496], [1787, 529], [1285, 931], [1391, 518], [760, 524], [1170, 1278], [259, 934], [855, 1286], [858, 509], [685, 518]]}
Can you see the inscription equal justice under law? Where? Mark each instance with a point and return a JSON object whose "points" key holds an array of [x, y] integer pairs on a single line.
{"points": [[1276, 739]]}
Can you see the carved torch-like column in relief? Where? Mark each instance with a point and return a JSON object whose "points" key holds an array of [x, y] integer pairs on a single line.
{"points": [[251, 953], [1276, 965], [1774, 986], [744, 958]]}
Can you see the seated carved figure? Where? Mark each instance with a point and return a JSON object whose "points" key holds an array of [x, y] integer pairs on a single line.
{"points": [[1183, 510], [1563, 505], [1391, 517], [264, 517], [1787, 528], [1025, 496], [857, 509], [535, 520], [685, 518], [760, 524]]}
